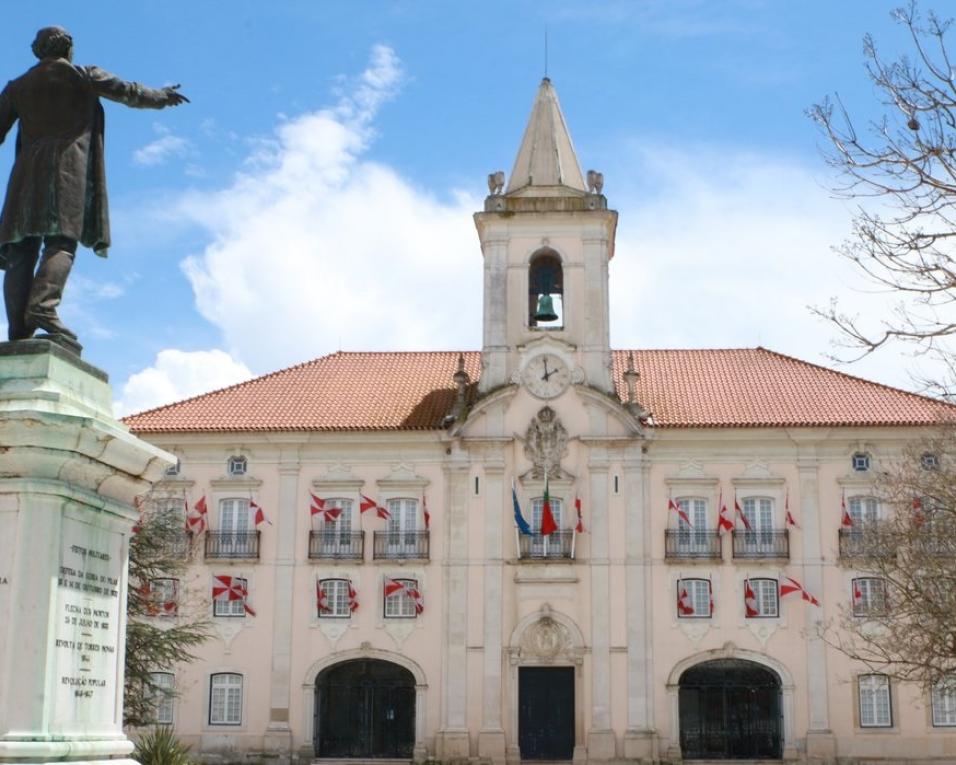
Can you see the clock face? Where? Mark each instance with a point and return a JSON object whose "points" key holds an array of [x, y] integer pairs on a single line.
{"points": [[546, 376]]}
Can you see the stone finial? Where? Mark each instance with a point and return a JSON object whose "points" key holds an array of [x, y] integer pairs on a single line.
{"points": [[631, 376], [462, 380], [496, 182], [595, 182]]}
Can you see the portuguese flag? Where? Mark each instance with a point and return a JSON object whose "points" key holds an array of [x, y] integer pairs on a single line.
{"points": [[548, 526]]}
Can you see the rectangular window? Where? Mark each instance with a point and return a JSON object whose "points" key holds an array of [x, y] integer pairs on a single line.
{"points": [[402, 528], [693, 537], [225, 699], [336, 533], [231, 607], [401, 605], [865, 511], [542, 547], [336, 593], [944, 702], [766, 596], [875, 709], [163, 700], [869, 596], [163, 597], [693, 599]]}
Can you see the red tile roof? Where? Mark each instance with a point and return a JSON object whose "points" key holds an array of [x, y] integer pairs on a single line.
{"points": [[744, 388]]}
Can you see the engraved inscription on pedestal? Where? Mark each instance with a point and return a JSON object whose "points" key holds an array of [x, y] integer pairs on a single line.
{"points": [[87, 625]]}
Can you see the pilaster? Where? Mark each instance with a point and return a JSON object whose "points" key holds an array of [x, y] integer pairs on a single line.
{"points": [[452, 741], [278, 737], [821, 743], [495, 317]]}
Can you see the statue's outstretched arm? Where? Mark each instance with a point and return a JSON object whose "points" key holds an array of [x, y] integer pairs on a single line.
{"points": [[132, 93]]}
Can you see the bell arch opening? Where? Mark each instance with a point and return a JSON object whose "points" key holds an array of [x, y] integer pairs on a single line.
{"points": [[365, 708], [730, 709], [545, 291]]}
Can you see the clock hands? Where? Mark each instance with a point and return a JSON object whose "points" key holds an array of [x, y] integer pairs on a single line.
{"points": [[547, 374]]}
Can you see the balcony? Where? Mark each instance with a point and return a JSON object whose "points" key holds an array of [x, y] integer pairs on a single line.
{"points": [[334, 545], [232, 544], [693, 544], [556, 546], [937, 540], [761, 544], [178, 545], [865, 542], [400, 545]]}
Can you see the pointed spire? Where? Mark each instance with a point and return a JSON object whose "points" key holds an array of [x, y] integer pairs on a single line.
{"points": [[546, 156]]}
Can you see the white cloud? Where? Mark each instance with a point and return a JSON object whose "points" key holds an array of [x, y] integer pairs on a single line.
{"points": [[175, 375], [158, 151], [314, 247]]}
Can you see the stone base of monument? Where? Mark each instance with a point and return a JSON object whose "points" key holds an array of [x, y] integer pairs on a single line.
{"points": [[68, 474]]}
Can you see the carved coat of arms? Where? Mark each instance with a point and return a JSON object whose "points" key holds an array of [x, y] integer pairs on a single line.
{"points": [[545, 443]]}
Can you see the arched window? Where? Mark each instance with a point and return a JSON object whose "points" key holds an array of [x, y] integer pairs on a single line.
{"points": [[225, 699], [545, 291]]}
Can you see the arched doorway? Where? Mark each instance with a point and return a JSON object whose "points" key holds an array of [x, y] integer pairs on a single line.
{"points": [[365, 708], [730, 709]]}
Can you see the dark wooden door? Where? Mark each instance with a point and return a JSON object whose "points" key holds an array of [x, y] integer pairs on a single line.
{"points": [[365, 708], [546, 713], [730, 709]]}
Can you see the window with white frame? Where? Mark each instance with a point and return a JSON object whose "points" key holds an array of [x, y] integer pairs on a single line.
{"points": [[543, 546], [336, 599], [767, 598], [864, 511], [235, 531], [875, 708], [869, 596], [225, 699], [163, 597], [401, 605], [163, 698], [402, 522], [232, 607], [237, 465], [694, 599], [944, 702], [694, 536], [757, 534], [336, 532], [860, 462], [537, 511]]}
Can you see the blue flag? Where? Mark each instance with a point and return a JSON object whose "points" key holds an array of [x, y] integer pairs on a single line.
{"points": [[520, 522]]}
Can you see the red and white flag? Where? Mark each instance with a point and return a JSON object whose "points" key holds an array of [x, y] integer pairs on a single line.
{"points": [[322, 508], [353, 598], [260, 516], [579, 527], [371, 504], [427, 516], [231, 588], [740, 514], [846, 521], [724, 521], [789, 520], [392, 586], [681, 513], [789, 585], [750, 601], [857, 594], [919, 517], [196, 518], [322, 599], [684, 606]]}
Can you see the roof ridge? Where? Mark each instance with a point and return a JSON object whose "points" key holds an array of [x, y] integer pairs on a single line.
{"points": [[857, 378], [215, 391]]}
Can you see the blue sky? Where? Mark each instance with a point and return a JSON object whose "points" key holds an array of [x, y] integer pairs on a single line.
{"points": [[317, 192]]}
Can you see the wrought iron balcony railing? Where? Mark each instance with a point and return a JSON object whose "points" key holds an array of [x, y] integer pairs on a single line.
{"points": [[691, 543], [873, 542], [407, 545], [232, 544], [558, 545], [760, 543], [338, 545]]}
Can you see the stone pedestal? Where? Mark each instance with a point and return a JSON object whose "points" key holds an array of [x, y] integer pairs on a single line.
{"points": [[68, 475], [640, 745], [821, 746], [491, 746], [601, 745]]}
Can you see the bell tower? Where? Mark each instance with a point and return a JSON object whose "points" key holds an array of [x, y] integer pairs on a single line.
{"points": [[546, 238]]}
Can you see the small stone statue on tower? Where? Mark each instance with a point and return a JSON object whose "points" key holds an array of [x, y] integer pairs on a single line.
{"points": [[57, 190]]}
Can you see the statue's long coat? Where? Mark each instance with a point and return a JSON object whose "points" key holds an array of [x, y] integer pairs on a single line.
{"points": [[58, 182]]}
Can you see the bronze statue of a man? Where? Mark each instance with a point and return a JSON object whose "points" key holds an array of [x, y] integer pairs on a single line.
{"points": [[57, 190]]}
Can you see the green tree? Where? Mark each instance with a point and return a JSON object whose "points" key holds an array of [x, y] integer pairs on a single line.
{"points": [[160, 631]]}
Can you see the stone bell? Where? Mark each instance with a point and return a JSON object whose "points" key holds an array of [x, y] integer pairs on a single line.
{"points": [[545, 310]]}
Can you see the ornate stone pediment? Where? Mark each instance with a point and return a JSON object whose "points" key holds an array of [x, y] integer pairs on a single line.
{"points": [[545, 444]]}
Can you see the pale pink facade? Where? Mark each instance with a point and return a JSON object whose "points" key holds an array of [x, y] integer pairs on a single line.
{"points": [[610, 613]]}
